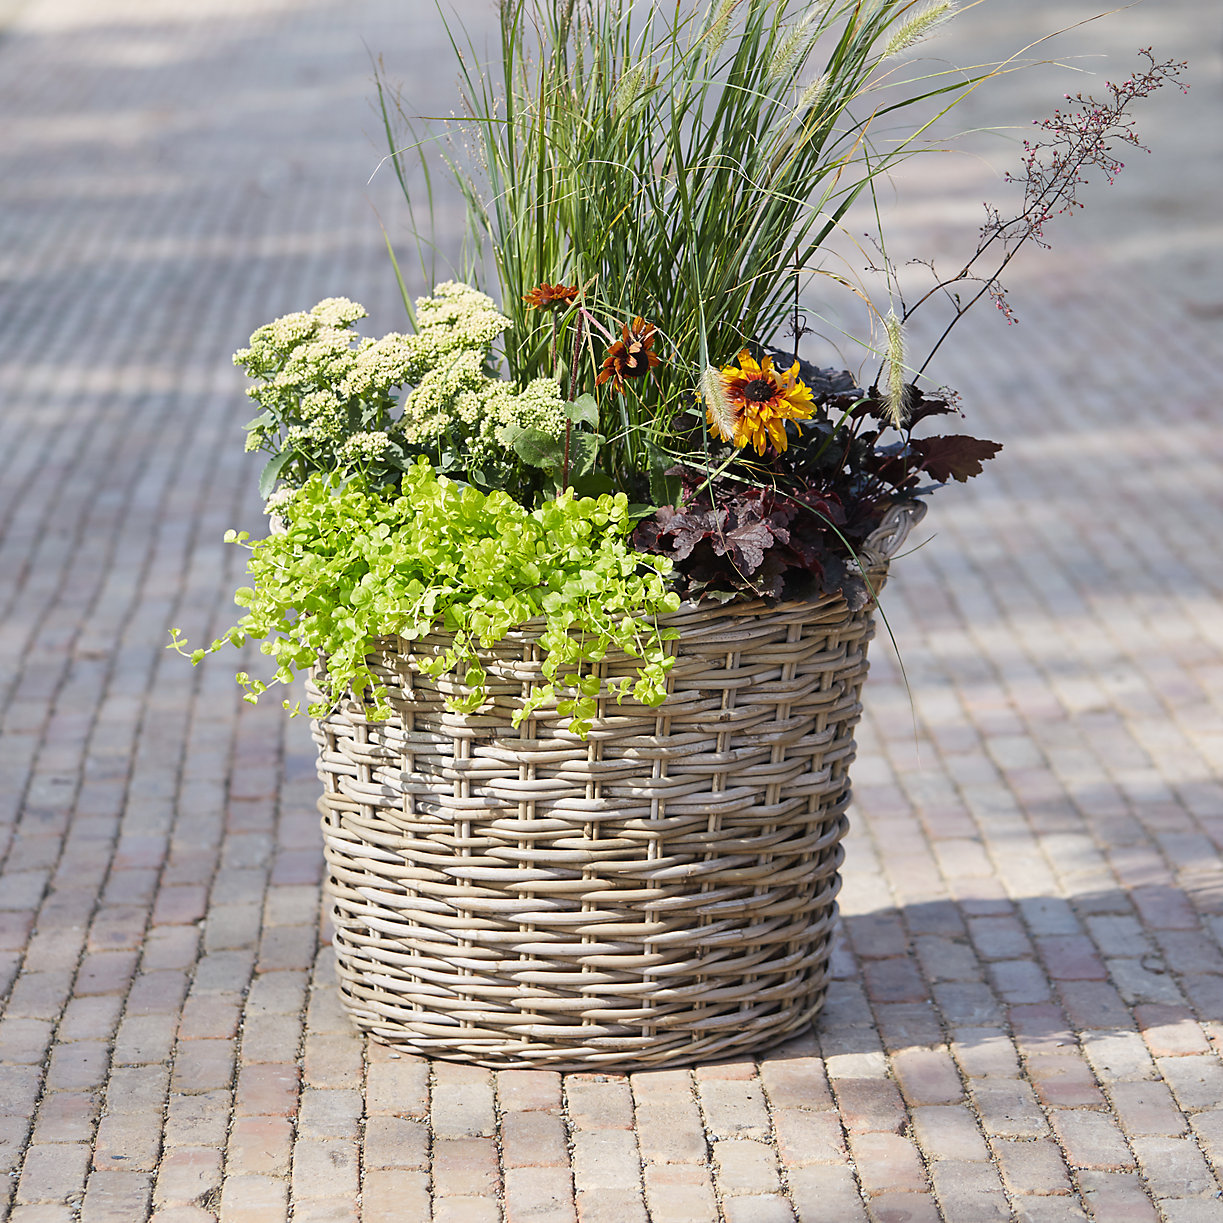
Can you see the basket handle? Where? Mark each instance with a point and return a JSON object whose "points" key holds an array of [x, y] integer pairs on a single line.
{"points": [[888, 537]]}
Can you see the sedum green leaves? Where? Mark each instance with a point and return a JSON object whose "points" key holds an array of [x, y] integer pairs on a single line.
{"points": [[354, 565]]}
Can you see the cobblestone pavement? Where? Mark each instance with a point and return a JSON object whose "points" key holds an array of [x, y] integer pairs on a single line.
{"points": [[1027, 1009]]}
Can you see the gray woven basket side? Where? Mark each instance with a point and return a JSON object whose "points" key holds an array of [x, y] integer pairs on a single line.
{"points": [[661, 892]]}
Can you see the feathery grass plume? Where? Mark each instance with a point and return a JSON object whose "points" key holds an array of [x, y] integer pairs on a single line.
{"points": [[722, 415], [813, 95], [793, 50], [918, 26], [628, 88], [715, 36], [896, 395]]}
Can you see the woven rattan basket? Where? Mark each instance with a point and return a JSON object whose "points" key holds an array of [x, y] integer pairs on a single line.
{"points": [[659, 893]]}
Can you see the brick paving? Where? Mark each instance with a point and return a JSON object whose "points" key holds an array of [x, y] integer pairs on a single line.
{"points": [[1027, 1010]]}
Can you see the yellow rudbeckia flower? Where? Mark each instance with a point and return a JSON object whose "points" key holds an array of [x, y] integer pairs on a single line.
{"points": [[761, 400]]}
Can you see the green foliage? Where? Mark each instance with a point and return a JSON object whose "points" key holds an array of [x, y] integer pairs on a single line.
{"points": [[681, 165], [656, 185], [353, 565], [568, 459]]}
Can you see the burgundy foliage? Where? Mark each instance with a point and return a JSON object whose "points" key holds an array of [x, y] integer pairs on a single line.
{"points": [[790, 525]]}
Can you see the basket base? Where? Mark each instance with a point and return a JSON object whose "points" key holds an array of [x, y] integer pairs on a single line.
{"points": [[621, 1055]]}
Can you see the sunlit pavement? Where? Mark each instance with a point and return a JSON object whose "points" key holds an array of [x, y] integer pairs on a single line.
{"points": [[1028, 1002]]}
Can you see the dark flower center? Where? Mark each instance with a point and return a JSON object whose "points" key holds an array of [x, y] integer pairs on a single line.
{"points": [[759, 390]]}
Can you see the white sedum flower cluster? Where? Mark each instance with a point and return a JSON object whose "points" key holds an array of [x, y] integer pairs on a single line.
{"points": [[279, 501], [363, 448], [338, 312], [452, 389], [380, 364], [458, 316], [538, 406], [317, 380], [329, 396], [457, 327]]}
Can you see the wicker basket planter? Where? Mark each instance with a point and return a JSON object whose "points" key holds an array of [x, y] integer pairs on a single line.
{"points": [[660, 893]]}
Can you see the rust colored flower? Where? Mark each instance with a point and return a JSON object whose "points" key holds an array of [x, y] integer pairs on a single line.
{"points": [[761, 399], [546, 296], [629, 356]]}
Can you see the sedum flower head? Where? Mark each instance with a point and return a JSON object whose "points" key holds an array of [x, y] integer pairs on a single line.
{"points": [[279, 501], [338, 312], [539, 405], [362, 448], [377, 366], [460, 316], [431, 405], [319, 404]]}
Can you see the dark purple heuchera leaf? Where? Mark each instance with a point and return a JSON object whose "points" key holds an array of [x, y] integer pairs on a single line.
{"points": [[952, 457], [757, 540], [921, 405], [749, 541]]}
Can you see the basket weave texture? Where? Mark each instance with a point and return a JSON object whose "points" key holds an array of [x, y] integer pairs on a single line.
{"points": [[657, 894]]}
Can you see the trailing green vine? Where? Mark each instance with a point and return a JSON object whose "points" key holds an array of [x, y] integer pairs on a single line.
{"points": [[353, 565]]}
